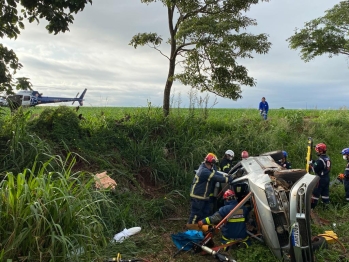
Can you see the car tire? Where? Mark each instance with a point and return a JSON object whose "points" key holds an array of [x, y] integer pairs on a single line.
{"points": [[282, 182], [276, 155], [319, 242], [290, 175]]}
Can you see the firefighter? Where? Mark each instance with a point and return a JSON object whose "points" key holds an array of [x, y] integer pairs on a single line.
{"points": [[225, 165], [322, 167], [235, 228], [227, 161], [345, 177], [283, 162], [204, 179]]}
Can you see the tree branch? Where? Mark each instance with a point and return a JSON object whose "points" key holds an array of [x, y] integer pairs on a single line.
{"points": [[157, 49], [344, 52], [180, 48]]}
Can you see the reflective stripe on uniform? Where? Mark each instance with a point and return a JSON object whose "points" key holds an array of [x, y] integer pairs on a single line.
{"points": [[226, 166], [203, 197], [237, 217], [238, 240], [206, 189], [207, 219], [325, 197], [193, 187], [234, 220], [315, 198], [194, 220], [208, 182]]}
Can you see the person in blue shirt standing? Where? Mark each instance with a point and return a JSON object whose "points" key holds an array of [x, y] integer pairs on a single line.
{"points": [[264, 108]]}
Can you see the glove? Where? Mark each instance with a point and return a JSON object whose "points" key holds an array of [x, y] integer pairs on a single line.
{"points": [[341, 176], [310, 162], [200, 224]]}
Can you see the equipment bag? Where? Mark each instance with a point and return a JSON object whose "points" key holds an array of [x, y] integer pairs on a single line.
{"points": [[184, 240]]}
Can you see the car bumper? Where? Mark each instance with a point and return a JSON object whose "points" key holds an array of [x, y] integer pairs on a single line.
{"points": [[301, 238]]}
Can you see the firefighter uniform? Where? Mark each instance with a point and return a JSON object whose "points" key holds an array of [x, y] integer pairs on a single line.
{"points": [[322, 167], [235, 228], [201, 188], [225, 165], [346, 182]]}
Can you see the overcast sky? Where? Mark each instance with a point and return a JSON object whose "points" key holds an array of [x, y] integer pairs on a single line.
{"points": [[95, 55]]}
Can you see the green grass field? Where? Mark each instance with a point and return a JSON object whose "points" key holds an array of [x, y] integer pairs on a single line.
{"points": [[152, 158]]}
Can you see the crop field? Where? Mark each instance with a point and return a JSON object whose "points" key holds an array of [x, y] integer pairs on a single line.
{"points": [[50, 154]]}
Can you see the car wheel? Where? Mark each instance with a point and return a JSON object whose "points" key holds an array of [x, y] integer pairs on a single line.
{"points": [[290, 175], [276, 155], [282, 182], [319, 242]]}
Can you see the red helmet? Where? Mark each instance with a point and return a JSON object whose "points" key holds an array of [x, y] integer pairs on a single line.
{"points": [[320, 148], [244, 154], [211, 158], [228, 194]]}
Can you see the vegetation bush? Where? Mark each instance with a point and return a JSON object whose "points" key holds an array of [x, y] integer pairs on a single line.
{"points": [[152, 158], [20, 148], [59, 125], [51, 216]]}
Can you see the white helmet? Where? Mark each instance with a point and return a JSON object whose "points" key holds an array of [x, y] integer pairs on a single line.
{"points": [[230, 153]]}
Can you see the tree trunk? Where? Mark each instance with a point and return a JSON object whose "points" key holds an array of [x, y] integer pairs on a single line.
{"points": [[167, 91], [172, 61]]}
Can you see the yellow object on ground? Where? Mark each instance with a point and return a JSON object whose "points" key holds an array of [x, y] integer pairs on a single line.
{"points": [[204, 228], [330, 236]]}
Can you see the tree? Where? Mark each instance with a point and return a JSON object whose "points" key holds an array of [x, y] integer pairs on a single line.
{"points": [[207, 37], [59, 15], [327, 34]]}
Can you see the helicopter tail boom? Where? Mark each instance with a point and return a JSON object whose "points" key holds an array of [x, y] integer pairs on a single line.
{"points": [[81, 98]]}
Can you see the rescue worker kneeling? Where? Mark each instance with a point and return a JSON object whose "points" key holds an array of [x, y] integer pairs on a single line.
{"points": [[235, 228]]}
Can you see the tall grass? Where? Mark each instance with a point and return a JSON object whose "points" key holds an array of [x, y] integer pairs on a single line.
{"points": [[51, 216], [168, 149], [20, 148]]}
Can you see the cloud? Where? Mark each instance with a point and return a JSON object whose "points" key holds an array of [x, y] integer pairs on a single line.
{"points": [[96, 54]]}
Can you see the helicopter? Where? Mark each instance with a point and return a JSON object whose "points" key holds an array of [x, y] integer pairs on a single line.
{"points": [[27, 98]]}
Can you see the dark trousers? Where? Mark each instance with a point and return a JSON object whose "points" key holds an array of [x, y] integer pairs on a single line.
{"points": [[322, 189], [346, 188], [200, 209]]}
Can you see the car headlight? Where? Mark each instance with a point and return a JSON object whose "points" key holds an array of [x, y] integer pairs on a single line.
{"points": [[269, 192], [301, 191]]}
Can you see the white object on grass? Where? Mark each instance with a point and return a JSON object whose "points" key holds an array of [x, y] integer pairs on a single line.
{"points": [[121, 236]]}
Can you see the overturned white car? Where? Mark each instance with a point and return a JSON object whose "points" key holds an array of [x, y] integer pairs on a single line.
{"points": [[280, 203]]}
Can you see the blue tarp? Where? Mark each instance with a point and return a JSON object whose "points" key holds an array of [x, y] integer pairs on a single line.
{"points": [[183, 238]]}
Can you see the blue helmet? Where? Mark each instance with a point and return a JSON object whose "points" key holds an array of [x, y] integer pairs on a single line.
{"points": [[345, 151], [284, 153]]}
